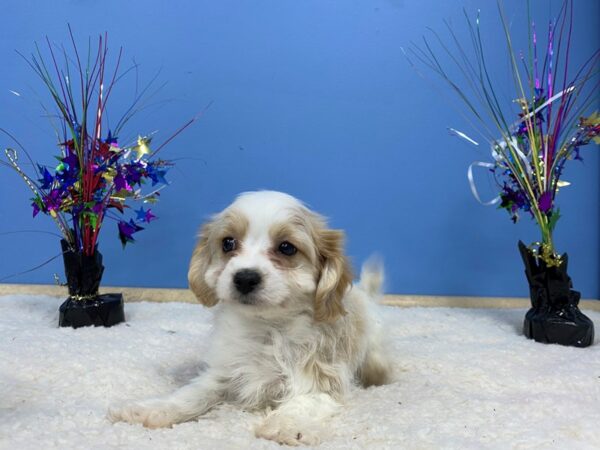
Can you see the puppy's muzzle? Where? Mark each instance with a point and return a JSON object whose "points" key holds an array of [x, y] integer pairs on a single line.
{"points": [[246, 280]]}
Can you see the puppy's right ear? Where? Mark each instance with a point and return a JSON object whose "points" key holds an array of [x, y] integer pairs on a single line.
{"points": [[198, 265]]}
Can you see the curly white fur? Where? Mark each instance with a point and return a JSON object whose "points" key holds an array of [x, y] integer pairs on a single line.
{"points": [[296, 342]]}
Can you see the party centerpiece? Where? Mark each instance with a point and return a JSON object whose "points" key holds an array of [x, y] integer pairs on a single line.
{"points": [[96, 177], [531, 140]]}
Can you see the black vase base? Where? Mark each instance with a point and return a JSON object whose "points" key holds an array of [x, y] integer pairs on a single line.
{"points": [[568, 326], [103, 310]]}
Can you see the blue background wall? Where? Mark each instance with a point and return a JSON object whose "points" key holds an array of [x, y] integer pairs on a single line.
{"points": [[310, 97]]}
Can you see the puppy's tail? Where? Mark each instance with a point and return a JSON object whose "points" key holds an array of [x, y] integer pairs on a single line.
{"points": [[372, 276]]}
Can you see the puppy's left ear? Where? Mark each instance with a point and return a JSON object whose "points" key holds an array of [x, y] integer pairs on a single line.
{"points": [[335, 276], [199, 263]]}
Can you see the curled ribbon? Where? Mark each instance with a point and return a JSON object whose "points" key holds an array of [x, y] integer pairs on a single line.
{"points": [[499, 148], [472, 182]]}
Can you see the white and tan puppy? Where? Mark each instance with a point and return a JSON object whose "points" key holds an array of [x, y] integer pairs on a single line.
{"points": [[291, 333]]}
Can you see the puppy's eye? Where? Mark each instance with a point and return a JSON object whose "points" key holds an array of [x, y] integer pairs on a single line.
{"points": [[229, 244], [287, 249]]}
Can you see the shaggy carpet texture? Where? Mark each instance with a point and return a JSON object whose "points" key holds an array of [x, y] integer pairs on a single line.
{"points": [[466, 378]]}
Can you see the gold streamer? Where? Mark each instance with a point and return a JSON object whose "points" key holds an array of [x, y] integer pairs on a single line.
{"points": [[81, 298], [544, 252]]}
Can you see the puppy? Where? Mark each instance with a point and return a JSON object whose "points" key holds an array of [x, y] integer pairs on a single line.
{"points": [[291, 333]]}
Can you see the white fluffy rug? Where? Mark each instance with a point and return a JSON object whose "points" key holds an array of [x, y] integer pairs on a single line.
{"points": [[466, 379]]}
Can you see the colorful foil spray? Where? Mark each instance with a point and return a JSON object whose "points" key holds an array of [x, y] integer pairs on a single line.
{"points": [[97, 175], [530, 155]]}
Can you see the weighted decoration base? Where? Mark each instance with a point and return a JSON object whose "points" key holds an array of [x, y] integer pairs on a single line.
{"points": [[85, 306], [554, 317], [103, 310]]}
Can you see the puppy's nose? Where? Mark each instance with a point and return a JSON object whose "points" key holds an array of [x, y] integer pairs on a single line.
{"points": [[246, 280]]}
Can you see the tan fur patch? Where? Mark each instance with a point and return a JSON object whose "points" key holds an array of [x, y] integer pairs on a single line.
{"points": [[335, 275], [200, 261], [295, 233], [229, 224], [374, 372], [326, 378]]}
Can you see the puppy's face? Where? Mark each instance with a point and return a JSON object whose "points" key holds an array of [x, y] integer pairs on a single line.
{"points": [[267, 254]]}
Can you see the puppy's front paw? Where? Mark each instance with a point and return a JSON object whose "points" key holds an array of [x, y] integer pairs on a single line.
{"points": [[285, 430], [150, 413]]}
